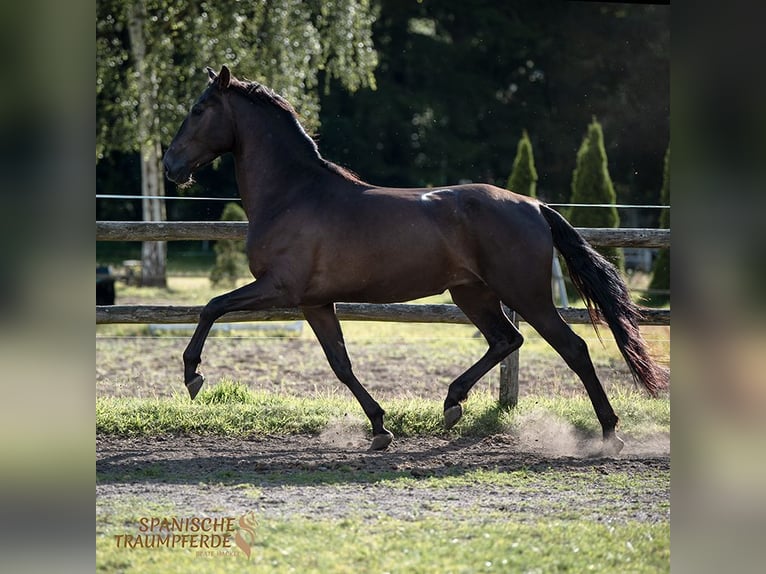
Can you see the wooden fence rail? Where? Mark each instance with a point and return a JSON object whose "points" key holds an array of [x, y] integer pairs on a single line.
{"points": [[400, 312], [396, 312], [192, 230]]}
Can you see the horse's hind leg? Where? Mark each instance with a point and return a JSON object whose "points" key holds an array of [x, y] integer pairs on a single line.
{"points": [[548, 323], [325, 324], [483, 308]]}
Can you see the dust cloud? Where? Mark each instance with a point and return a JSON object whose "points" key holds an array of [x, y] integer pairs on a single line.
{"points": [[543, 432], [347, 431]]}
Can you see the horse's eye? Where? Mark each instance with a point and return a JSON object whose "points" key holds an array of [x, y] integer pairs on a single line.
{"points": [[197, 110]]}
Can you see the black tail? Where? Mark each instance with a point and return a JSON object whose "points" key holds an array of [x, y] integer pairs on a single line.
{"points": [[599, 282]]}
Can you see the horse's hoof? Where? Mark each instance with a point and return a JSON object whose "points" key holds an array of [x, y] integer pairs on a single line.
{"points": [[195, 385], [381, 441], [612, 445], [452, 415]]}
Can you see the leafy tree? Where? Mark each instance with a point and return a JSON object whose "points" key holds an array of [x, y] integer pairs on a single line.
{"points": [[591, 183], [661, 277], [150, 55], [230, 258], [523, 178]]}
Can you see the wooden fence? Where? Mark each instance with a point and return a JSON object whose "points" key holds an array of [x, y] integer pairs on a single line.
{"points": [[193, 230], [400, 312]]}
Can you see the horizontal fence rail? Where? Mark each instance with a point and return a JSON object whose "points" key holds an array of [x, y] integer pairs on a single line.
{"points": [[195, 230], [395, 312]]}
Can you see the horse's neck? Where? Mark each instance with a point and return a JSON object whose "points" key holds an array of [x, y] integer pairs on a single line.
{"points": [[274, 174]]}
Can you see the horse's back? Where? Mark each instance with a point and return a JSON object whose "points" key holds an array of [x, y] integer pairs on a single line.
{"points": [[495, 219], [470, 220], [443, 236]]}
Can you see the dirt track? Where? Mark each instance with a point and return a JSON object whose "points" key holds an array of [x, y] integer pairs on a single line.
{"points": [[332, 477]]}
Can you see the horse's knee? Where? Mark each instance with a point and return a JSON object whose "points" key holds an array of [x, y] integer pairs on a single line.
{"points": [[212, 310]]}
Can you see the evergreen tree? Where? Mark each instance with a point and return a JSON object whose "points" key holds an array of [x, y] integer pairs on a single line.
{"points": [[523, 178], [661, 277], [591, 183], [230, 260]]}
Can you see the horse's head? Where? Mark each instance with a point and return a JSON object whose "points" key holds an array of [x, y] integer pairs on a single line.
{"points": [[205, 133]]}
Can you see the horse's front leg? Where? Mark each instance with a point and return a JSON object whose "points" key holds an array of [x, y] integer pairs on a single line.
{"points": [[325, 325], [261, 294]]}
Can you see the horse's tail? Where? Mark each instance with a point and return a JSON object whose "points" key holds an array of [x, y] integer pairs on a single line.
{"points": [[599, 283]]}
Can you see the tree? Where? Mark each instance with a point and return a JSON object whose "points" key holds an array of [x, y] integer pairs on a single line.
{"points": [[153, 253], [150, 55], [591, 184], [523, 178], [230, 260], [661, 277], [456, 78]]}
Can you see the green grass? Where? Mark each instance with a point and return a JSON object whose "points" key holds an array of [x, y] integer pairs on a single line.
{"points": [[230, 408], [352, 545], [184, 257], [523, 480]]}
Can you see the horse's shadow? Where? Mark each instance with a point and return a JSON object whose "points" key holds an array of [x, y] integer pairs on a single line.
{"points": [[307, 460]]}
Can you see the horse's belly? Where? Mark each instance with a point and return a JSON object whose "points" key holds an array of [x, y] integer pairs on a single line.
{"points": [[385, 282]]}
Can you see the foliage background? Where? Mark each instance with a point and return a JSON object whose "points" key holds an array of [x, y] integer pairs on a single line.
{"points": [[454, 86]]}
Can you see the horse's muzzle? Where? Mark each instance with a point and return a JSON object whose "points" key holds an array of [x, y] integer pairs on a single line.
{"points": [[175, 170]]}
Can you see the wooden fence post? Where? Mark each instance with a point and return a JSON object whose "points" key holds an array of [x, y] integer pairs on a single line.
{"points": [[509, 374]]}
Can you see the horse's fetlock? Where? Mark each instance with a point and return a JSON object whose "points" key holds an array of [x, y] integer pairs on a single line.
{"points": [[453, 400], [610, 424]]}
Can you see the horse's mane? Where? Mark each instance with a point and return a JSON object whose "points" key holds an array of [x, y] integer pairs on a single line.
{"points": [[259, 93]]}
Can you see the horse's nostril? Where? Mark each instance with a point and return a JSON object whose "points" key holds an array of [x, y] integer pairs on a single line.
{"points": [[168, 164]]}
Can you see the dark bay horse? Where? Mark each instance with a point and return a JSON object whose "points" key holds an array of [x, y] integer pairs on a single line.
{"points": [[317, 235]]}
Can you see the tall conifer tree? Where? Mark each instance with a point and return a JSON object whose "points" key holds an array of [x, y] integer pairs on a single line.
{"points": [[591, 184], [523, 178]]}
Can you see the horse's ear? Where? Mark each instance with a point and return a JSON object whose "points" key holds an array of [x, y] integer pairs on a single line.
{"points": [[224, 78], [211, 74]]}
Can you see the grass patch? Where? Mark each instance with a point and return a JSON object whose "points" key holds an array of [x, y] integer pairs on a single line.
{"points": [[230, 408], [527, 480], [227, 393], [429, 545]]}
